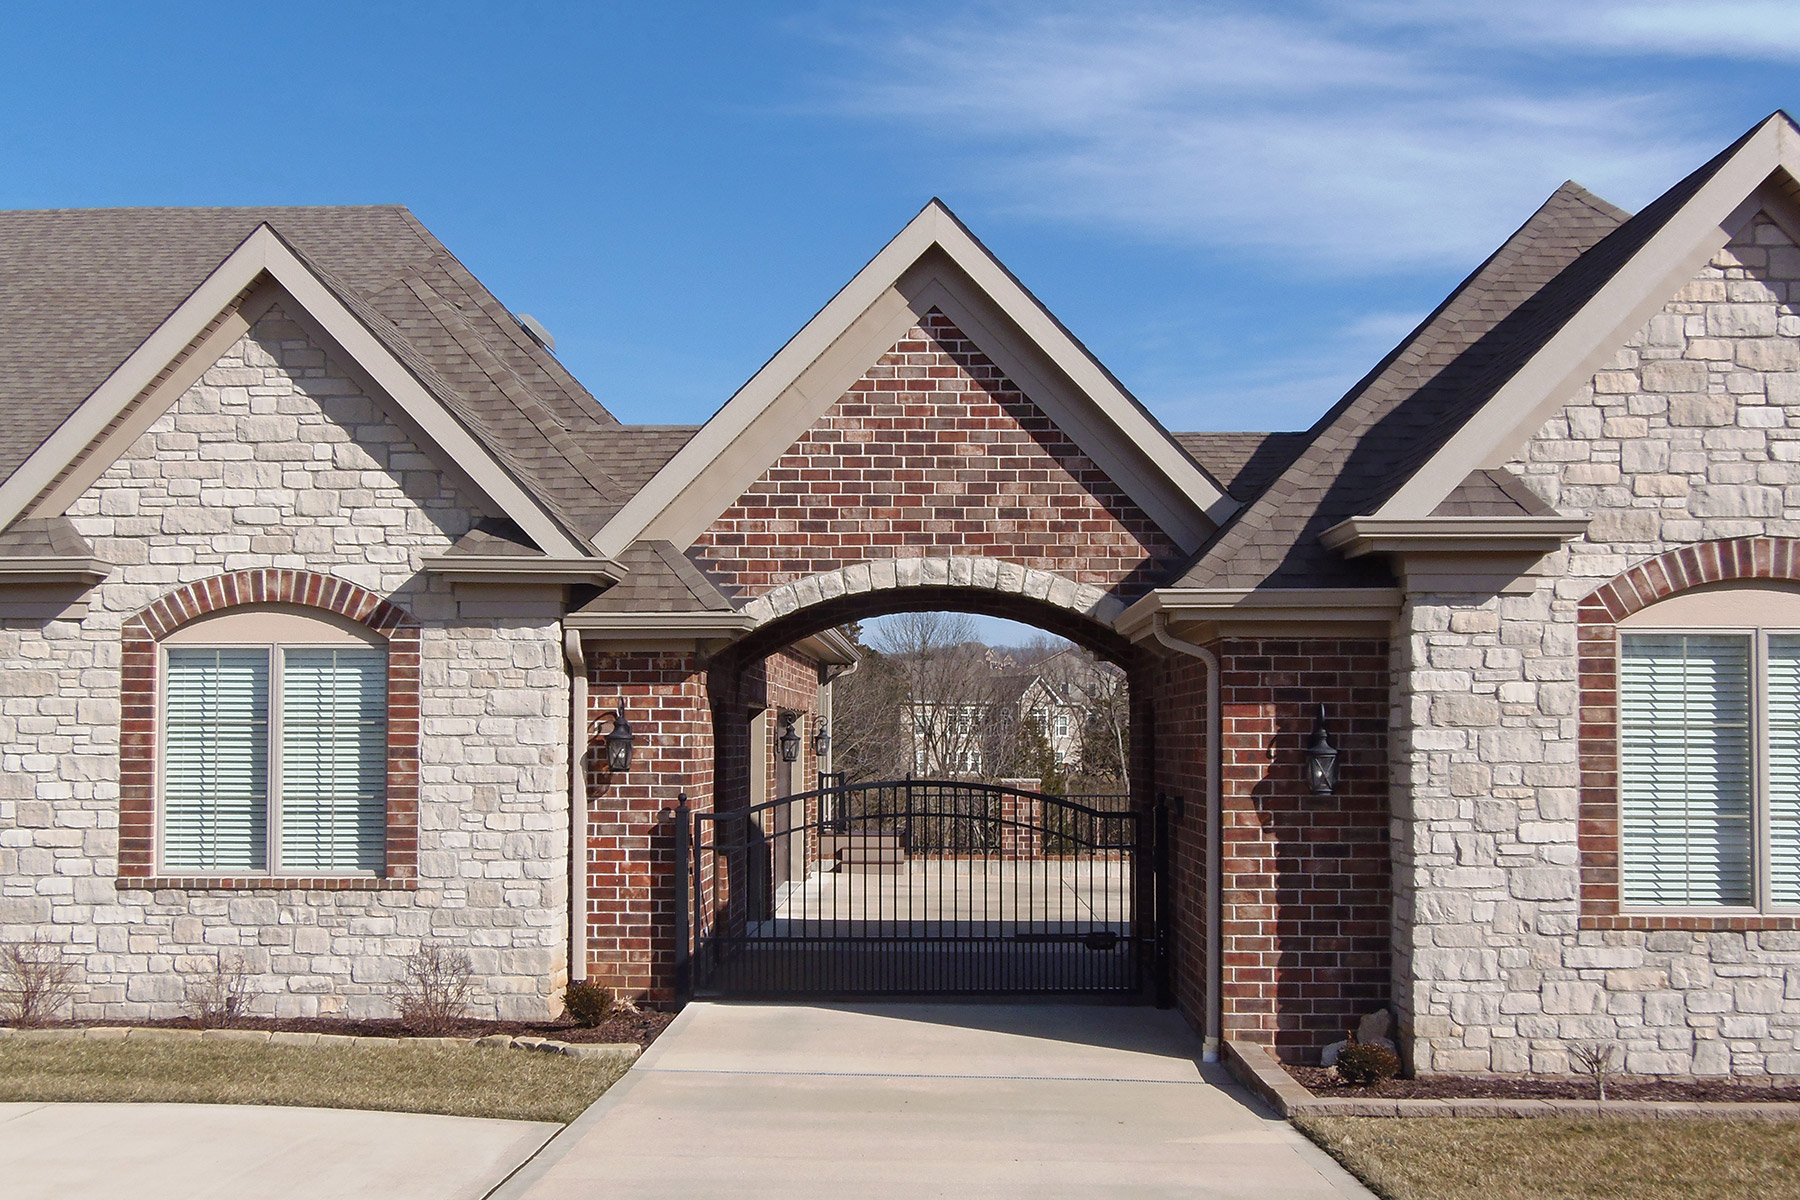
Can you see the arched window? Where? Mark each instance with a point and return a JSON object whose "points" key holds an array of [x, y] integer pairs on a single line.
{"points": [[1709, 750], [274, 732]]}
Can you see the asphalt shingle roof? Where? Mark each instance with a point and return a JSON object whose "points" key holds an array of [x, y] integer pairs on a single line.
{"points": [[81, 289], [1244, 462], [659, 578], [1416, 398]]}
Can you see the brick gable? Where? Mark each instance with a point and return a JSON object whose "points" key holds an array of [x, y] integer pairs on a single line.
{"points": [[934, 451]]}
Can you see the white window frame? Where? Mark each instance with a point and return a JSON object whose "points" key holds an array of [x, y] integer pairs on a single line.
{"points": [[274, 629], [1761, 821]]}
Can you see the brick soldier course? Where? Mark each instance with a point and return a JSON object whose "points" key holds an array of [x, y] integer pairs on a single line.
{"points": [[317, 415]]}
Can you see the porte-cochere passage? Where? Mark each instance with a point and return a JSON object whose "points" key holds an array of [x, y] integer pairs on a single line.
{"points": [[934, 441], [921, 887]]}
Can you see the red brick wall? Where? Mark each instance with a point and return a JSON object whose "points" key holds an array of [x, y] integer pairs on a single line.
{"points": [[1178, 710], [631, 935], [1307, 891], [670, 702], [791, 683], [934, 452], [1745, 559], [141, 663]]}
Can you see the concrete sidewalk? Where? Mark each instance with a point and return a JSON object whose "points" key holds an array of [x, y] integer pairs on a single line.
{"points": [[221, 1151], [861, 1101]]}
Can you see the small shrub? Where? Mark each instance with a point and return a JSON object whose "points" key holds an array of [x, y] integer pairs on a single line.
{"points": [[1363, 1063], [1594, 1059], [36, 981], [218, 996], [434, 993], [588, 1003]]}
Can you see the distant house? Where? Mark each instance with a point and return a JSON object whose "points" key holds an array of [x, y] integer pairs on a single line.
{"points": [[995, 718]]}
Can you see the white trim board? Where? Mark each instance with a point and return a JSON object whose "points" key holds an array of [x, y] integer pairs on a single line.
{"points": [[1661, 267], [933, 261], [263, 253]]}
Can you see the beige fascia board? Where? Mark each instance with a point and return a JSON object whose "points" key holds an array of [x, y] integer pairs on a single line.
{"points": [[104, 405], [1125, 461], [690, 496], [264, 253], [829, 646], [39, 569], [472, 568], [777, 376], [1583, 345], [1452, 535], [1311, 606], [154, 401], [848, 334], [412, 397], [659, 624], [1088, 376]]}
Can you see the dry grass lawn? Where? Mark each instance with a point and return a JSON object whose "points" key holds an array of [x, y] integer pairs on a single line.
{"points": [[1561, 1158], [463, 1082]]}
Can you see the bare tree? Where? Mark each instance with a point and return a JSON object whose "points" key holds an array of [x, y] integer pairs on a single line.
{"points": [[950, 687], [1106, 733], [869, 735]]}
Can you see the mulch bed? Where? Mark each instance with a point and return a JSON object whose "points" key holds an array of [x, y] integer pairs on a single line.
{"points": [[640, 1027], [1322, 1081]]}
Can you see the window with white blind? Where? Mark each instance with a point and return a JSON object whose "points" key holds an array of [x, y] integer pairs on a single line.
{"points": [[274, 757], [1709, 762]]}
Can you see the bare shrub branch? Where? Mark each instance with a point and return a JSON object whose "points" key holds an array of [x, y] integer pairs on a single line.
{"points": [[434, 993], [218, 996], [36, 981], [1594, 1059]]}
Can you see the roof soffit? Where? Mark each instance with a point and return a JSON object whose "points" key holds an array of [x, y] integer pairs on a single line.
{"points": [[1758, 176], [933, 262], [264, 254]]}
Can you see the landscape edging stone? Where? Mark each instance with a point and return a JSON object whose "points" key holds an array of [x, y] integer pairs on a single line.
{"points": [[1253, 1066]]}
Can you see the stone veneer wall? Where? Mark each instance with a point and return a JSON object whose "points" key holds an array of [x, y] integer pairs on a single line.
{"points": [[1691, 435], [275, 459]]}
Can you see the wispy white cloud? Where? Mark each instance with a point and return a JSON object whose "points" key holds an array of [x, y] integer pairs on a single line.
{"points": [[1408, 135]]}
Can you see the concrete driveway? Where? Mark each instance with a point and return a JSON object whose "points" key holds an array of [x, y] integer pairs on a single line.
{"points": [[221, 1151], [858, 1101]]}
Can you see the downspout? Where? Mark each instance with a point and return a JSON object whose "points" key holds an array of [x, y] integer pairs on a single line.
{"points": [[578, 803], [1215, 890]]}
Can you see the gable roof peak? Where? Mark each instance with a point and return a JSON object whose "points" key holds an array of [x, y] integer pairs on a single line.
{"points": [[933, 263]]}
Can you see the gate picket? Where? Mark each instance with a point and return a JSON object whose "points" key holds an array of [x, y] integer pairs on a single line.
{"points": [[908, 893]]}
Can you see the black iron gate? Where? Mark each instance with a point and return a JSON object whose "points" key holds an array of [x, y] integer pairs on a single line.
{"points": [[918, 887]]}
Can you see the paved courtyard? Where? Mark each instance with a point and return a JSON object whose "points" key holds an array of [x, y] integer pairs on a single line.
{"points": [[948, 896], [863, 1101]]}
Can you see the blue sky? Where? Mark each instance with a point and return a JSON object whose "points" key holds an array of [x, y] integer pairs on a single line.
{"points": [[1238, 207]]}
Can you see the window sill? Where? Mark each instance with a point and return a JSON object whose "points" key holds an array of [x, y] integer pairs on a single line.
{"points": [[1691, 922], [264, 883]]}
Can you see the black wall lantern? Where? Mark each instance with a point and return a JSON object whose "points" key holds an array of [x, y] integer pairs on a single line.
{"points": [[1321, 759], [618, 743], [822, 741], [789, 741]]}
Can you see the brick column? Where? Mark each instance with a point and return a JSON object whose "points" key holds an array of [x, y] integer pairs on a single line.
{"points": [[631, 937], [1307, 895]]}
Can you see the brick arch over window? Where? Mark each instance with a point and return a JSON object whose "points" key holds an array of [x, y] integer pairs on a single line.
{"points": [[1745, 560], [139, 666]]}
